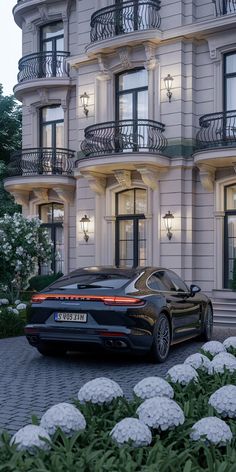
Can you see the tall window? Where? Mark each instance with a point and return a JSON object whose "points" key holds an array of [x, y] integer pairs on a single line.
{"points": [[51, 44], [52, 217], [230, 237], [230, 81], [131, 206], [132, 106], [52, 127]]}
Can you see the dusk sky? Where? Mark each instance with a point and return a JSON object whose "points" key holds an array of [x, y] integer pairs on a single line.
{"points": [[10, 49]]}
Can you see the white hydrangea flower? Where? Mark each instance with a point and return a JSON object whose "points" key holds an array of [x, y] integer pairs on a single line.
{"points": [[182, 373], [230, 342], [4, 301], [214, 429], [64, 416], [152, 387], [13, 310], [131, 429], [30, 438], [222, 362], [17, 302], [160, 413], [224, 401], [198, 361], [213, 347], [100, 390], [21, 306]]}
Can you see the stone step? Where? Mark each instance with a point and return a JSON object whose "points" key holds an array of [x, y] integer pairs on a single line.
{"points": [[224, 312]]}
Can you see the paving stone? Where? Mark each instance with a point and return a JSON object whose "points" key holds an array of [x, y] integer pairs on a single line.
{"points": [[31, 383]]}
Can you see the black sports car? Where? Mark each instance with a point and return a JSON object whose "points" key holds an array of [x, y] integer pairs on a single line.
{"points": [[144, 309]]}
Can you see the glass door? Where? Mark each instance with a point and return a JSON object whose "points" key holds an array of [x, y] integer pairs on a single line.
{"points": [[229, 121], [230, 238], [52, 42], [52, 138]]}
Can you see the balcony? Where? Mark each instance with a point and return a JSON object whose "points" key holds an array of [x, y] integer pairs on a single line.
{"points": [[131, 143], [39, 171], [129, 22], [224, 7], [216, 139]]}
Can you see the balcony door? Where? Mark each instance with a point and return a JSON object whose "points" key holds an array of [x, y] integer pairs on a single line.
{"points": [[130, 241], [133, 15], [230, 238], [131, 110], [52, 217], [229, 120], [51, 138], [51, 45]]}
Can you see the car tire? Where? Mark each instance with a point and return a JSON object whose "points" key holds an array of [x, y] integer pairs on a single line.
{"points": [[50, 350], [207, 325], [161, 339]]}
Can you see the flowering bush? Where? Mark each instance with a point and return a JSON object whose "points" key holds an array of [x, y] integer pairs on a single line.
{"points": [[100, 390], [160, 413], [133, 430], [12, 322], [23, 244], [230, 344], [224, 401], [222, 362], [182, 374], [64, 416], [198, 361], [213, 347], [153, 387], [30, 438], [213, 429]]}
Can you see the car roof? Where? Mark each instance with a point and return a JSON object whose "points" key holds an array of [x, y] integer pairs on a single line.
{"points": [[123, 271]]}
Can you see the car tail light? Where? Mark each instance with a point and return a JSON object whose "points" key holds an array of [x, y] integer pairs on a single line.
{"points": [[107, 300]]}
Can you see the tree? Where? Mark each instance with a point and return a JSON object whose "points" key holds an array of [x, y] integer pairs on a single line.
{"points": [[24, 244], [10, 140]]}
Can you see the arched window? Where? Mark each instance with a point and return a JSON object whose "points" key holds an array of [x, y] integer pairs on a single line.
{"points": [[230, 237], [130, 245], [52, 217]]}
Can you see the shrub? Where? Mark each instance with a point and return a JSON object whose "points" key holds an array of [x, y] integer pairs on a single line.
{"points": [[11, 324], [39, 282]]}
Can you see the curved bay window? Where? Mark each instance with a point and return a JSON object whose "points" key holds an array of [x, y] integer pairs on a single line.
{"points": [[52, 217], [130, 244], [230, 237]]}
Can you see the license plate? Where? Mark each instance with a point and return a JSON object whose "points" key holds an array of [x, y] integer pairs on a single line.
{"points": [[79, 317]]}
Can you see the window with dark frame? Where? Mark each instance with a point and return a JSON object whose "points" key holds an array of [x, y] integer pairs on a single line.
{"points": [[51, 47], [52, 217]]}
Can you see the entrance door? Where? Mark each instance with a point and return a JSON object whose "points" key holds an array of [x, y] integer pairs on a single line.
{"points": [[230, 238], [130, 243]]}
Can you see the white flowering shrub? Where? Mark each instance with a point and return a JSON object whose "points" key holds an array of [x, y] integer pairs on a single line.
{"points": [[30, 438], [64, 416], [21, 306], [160, 413], [213, 347], [131, 429], [153, 386], [222, 362], [99, 391], [230, 342], [198, 361], [182, 374], [213, 429], [4, 301], [13, 310], [23, 244], [224, 401]]}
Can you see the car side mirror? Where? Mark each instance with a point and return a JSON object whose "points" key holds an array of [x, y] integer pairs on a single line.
{"points": [[194, 289]]}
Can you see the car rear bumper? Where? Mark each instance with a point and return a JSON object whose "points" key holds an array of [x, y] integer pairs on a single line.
{"points": [[112, 338]]}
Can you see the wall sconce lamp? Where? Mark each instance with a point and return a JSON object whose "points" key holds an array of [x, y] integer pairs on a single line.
{"points": [[84, 226], [84, 101], [168, 220], [168, 85]]}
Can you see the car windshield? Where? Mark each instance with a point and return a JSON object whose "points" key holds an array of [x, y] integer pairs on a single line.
{"points": [[85, 281]]}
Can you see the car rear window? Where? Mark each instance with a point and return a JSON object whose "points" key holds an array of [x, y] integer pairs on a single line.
{"points": [[87, 281]]}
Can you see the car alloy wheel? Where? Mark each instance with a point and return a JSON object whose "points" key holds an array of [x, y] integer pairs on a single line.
{"points": [[161, 338]]}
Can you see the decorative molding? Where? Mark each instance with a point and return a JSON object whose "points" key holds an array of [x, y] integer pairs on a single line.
{"points": [[31, 109], [125, 59], [43, 12], [123, 178], [104, 73], [151, 61], [43, 96], [149, 176], [207, 177], [41, 194], [64, 194], [97, 182], [30, 28], [21, 196]]}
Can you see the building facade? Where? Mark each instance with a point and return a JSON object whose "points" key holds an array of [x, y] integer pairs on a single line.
{"points": [[129, 114]]}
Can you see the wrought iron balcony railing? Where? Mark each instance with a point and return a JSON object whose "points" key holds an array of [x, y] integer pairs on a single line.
{"points": [[224, 7], [124, 136], [42, 65], [125, 17], [42, 161], [217, 130]]}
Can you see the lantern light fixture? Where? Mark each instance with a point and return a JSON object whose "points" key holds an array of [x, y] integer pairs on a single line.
{"points": [[168, 80], [85, 220], [168, 220], [84, 101]]}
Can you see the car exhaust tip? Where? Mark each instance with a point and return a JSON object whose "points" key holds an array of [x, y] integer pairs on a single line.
{"points": [[116, 344]]}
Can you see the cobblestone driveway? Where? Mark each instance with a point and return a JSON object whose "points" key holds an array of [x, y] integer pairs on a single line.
{"points": [[31, 383]]}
